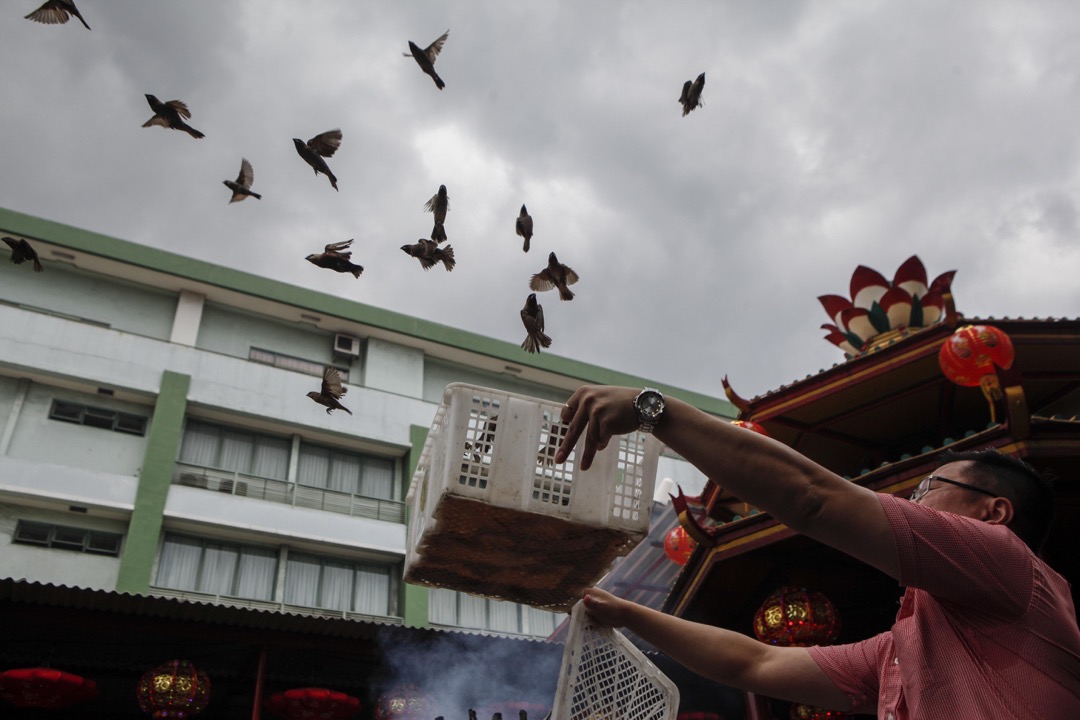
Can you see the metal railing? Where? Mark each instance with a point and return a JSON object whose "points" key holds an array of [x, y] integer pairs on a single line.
{"points": [[270, 605], [279, 491]]}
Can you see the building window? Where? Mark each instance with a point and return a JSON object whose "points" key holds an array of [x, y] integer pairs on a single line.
{"points": [[349, 472], [320, 582], [223, 448], [217, 568], [94, 542], [457, 609], [287, 362], [98, 417]]}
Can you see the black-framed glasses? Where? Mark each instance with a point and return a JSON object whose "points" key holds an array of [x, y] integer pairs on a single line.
{"points": [[924, 487]]}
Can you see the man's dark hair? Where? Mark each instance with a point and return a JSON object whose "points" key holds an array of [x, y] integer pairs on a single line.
{"points": [[1031, 493]]}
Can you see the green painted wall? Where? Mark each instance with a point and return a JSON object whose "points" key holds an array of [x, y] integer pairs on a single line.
{"points": [[414, 599], [166, 426]]}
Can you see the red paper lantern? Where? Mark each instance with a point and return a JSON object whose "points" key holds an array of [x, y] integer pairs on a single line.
{"points": [[45, 688], [795, 617], [971, 353], [173, 690], [404, 702], [313, 704], [678, 545], [751, 425], [810, 712]]}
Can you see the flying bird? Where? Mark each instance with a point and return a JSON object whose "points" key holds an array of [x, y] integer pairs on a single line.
{"points": [[21, 252], [691, 94], [336, 256], [430, 254], [523, 227], [171, 115], [241, 188], [438, 205], [555, 275], [532, 316], [332, 390], [426, 58], [56, 12], [321, 146]]}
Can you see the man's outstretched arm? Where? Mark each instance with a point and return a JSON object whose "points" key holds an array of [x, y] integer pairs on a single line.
{"points": [[724, 656], [792, 488]]}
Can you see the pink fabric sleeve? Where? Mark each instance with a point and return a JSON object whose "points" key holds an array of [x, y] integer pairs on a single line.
{"points": [[854, 669]]}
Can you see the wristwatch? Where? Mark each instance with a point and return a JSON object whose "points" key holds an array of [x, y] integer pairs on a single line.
{"points": [[649, 406]]}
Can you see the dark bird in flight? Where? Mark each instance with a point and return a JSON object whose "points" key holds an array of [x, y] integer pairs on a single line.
{"points": [[241, 188], [691, 94], [523, 227], [426, 58], [321, 146], [532, 316], [332, 391], [430, 254], [21, 252], [336, 256], [171, 115], [555, 275], [438, 205], [56, 12]]}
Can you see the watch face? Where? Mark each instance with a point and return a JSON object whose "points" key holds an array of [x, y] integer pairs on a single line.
{"points": [[650, 404]]}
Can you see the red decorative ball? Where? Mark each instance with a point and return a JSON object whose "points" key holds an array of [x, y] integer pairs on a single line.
{"points": [[678, 545], [795, 617], [313, 704], [173, 690], [44, 688], [973, 351], [751, 425], [404, 702]]}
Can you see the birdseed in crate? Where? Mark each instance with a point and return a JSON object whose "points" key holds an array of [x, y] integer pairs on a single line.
{"points": [[492, 514], [604, 676]]}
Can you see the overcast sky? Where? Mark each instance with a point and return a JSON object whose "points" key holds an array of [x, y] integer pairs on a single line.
{"points": [[833, 134]]}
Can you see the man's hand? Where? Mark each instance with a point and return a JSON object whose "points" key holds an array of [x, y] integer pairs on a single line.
{"points": [[600, 412], [605, 608]]}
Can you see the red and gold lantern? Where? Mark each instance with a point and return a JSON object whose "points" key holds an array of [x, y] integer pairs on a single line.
{"points": [[45, 688], [970, 356], [751, 425], [173, 690], [404, 702], [678, 545], [313, 704], [795, 617]]}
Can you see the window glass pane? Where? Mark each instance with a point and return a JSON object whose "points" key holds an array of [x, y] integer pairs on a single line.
{"points": [[503, 616], [302, 581], [69, 538], [96, 417], [344, 473], [473, 611], [337, 586], [271, 458], [218, 569], [200, 444], [236, 450], [32, 533], [313, 467], [372, 591], [179, 564], [378, 478], [442, 606], [127, 423], [66, 411], [103, 543], [256, 575]]}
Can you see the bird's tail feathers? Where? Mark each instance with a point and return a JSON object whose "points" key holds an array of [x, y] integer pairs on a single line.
{"points": [[526, 247], [447, 258], [357, 269], [438, 233], [566, 293], [257, 196], [545, 340], [438, 80], [37, 265]]}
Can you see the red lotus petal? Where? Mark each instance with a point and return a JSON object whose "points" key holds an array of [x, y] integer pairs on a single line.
{"points": [[857, 321], [911, 270], [943, 282], [897, 305], [933, 307], [840, 340], [867, 286], [834, 305]]}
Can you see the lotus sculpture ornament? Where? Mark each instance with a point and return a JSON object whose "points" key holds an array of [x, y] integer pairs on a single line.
{"points": [[878, 306]]}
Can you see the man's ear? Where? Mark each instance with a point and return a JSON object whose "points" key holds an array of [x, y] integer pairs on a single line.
{"points": [[999, 511]]}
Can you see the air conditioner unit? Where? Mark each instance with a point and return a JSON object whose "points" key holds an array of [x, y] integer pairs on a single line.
{"points": [[346, 345]]}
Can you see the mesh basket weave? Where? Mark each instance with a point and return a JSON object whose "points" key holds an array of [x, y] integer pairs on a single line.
{"points": [[604, 677]]}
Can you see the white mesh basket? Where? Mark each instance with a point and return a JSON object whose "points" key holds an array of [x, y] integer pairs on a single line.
{"points": [[604, 677]]}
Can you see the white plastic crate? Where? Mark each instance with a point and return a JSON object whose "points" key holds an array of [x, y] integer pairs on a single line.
{"points": [[492, 514], [604, 676]]}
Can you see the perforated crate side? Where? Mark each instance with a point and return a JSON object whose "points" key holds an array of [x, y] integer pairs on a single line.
{"points": [[604, 676]]}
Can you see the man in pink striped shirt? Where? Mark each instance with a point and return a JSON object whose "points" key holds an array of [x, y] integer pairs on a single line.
{"points": [[985, 628]]}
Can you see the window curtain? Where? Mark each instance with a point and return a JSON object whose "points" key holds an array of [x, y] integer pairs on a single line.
{"points": [[200, 444], [178, 567], [503, 616], [236, 451], [336, 586], [344, 473], [541, 622], [271, 458], [302, 581], [378, 478], [313, 468], [372, 591], [473, 611], [442, 606], [256, 573], [218, 569]]}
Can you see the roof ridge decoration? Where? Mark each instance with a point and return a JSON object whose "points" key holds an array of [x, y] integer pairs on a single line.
{"points": [[880, 311]]}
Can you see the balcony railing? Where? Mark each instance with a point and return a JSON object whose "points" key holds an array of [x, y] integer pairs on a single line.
{"points": [[270, 605], [279, 491]]}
